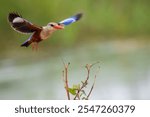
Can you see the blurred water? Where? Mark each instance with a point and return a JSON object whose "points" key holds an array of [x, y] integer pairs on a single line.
{"points": [[124, 72]]}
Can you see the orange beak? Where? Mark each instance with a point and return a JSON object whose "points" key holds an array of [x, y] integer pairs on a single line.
{"points": [[59, 27]]}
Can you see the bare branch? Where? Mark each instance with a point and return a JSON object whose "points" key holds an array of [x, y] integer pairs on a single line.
{"points": [[80, 92], [91, 88], [85, 83], [65, 78]]}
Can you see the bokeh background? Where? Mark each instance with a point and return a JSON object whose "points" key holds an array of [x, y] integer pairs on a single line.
{"points": [[114, 32]]}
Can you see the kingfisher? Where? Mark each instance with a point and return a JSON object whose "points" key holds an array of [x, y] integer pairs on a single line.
{"points": [[38, 33]]}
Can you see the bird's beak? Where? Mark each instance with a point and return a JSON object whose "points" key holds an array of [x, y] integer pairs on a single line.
{"points": [[59, 26]]}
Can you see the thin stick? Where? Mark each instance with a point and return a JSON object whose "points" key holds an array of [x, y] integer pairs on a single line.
{"points": [[65, 78], [66, 81], [91, 88], [84, 84]]}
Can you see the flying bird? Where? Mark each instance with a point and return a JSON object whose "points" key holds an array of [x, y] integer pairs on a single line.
{"points": [[39, 33]]}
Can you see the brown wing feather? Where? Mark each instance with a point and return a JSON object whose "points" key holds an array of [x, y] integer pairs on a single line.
{"points": [[22, 25]]}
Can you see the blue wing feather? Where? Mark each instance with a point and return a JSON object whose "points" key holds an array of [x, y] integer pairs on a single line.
{"points": [[68, 21], [71, 19]]}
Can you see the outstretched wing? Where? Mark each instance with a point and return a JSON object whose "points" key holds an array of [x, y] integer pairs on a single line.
{"points": [[21, 25], [71, 19]]}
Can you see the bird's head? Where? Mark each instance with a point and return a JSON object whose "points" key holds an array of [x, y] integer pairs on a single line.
{"points": [[56, 26]]}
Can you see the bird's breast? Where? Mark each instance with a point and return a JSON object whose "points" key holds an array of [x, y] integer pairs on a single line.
{"points": [[45, 33]]}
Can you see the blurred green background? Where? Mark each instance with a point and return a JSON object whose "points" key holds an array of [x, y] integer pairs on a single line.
{"points": [[114, 32]]}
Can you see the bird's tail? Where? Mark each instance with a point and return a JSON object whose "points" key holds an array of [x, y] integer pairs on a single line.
{"points": [[26, 44]]}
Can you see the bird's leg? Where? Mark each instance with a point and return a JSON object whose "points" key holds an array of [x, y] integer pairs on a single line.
{"points": [[32, 46], [36, 46]]}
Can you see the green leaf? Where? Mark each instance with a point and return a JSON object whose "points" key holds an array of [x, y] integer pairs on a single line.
{"points": [[72, 91], [77, 87]]}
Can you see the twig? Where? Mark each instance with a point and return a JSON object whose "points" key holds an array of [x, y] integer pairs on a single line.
{"points": [[88, 66], [65, 78], [91, 88], [84, 84], [66, 81]]}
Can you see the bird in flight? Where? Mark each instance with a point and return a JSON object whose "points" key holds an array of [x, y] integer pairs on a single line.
{"points": [[39, 33]]}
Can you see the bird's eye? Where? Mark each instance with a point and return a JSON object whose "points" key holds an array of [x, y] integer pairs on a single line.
{"points": [[52, 25]]}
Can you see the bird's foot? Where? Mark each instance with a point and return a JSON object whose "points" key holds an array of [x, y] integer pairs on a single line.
{"points": [[35, 46]]}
